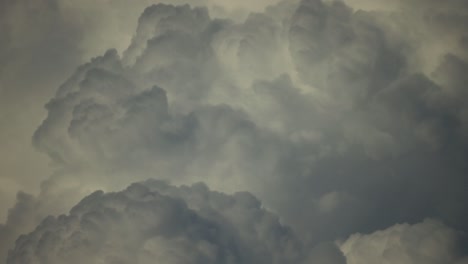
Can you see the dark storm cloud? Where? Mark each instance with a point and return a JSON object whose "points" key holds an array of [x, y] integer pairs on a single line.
{"points": [[376, 126], [339, 120], [152, 220], [191, 224]]}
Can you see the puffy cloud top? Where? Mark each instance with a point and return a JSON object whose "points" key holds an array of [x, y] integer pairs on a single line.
{"points": [[340, 120]]}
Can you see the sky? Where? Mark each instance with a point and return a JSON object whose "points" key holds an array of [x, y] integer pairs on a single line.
{"points": [[216, 131]]}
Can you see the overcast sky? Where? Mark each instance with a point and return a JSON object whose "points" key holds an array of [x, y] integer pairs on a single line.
{"points": [[296, 131]]}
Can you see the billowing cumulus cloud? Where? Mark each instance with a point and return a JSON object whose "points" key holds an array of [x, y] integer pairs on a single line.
{"points": [[151, 221], [340, 116], [191, 224], [42, 43]]}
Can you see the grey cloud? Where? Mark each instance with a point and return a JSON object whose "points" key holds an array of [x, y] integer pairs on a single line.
{"points": [[161, 19], [57, 195], [41, 43], [427, 242], [101, 117], [326, 253], [369, 118], [328, 114], [274, 137], [151, 220], [19, 221], [342, 51]]}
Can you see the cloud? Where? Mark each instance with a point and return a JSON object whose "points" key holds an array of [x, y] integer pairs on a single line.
{"points": [[340, 120], [191, 224], [427, 242], [354, 119], [148, 220], [41, 44], [20, 219]]}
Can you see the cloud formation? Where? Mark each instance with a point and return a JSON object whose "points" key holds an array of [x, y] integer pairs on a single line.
{"points": [[105, 115], [341, 117], [427, 242], [191, 224], [152, 220]]}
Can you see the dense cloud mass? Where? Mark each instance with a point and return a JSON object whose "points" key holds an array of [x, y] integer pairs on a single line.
{"points": [[152, 220], [342, 117], [191, 224]]}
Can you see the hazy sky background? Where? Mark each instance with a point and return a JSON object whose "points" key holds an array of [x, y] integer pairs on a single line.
{"points": [[284, 131]]}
